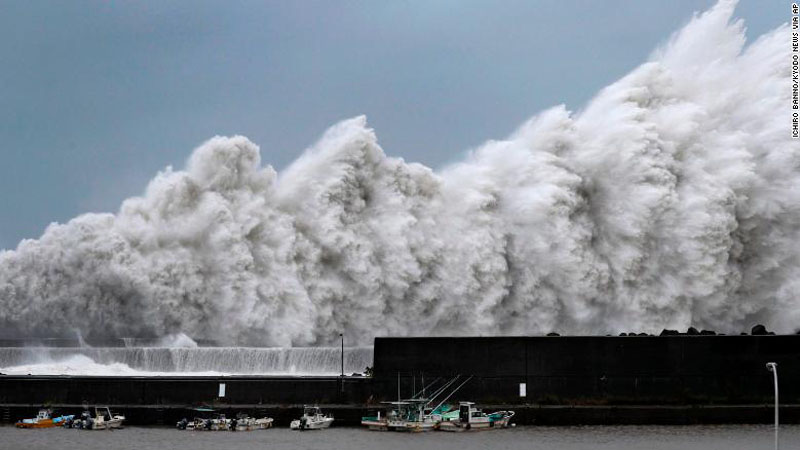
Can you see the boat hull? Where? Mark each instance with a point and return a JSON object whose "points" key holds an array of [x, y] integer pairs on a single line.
{"points": [[47, 423], [43, 423], [112, 424], [419, 427], [311, 425], [458, 426], [254, 424], [376, 425], [399, 425]]}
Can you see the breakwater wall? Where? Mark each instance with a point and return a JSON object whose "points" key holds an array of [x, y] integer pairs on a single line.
{"points": [[164, 400], [578, 370], [149, 361], [547, 380]]}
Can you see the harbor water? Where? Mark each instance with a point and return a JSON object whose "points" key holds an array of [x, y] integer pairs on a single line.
{"points": [[724, 437]]}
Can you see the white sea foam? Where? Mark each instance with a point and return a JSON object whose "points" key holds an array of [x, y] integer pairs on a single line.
{"points": [[184, 361], [672, 199], [83, 365]]}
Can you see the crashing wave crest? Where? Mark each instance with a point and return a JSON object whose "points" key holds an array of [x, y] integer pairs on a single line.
{"points": [[672, 200]]}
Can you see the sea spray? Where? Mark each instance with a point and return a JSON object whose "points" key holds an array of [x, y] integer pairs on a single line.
{"points": [[671, 200]]}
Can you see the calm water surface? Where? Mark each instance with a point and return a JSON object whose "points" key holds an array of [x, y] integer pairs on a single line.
{"points": [[727, 437]]}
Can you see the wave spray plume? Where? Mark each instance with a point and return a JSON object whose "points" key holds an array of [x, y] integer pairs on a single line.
{"points": [[672, 199]]}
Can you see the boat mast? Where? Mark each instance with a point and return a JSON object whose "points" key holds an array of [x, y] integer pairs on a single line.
{"points": [[441, 389], [428, 387], [451, 394]]}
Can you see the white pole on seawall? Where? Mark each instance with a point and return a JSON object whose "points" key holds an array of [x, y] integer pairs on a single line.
{"points": [[341, 335], [773, 367]]}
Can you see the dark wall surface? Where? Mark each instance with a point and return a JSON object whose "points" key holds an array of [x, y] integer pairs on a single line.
{"points": [[657, 370], [155, 391]]}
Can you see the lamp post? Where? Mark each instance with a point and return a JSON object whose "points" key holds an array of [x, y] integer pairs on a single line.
{"points": [[773, 367], [341, 336]]}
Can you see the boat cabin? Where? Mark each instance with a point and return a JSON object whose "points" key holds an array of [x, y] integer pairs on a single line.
{"points": [[311, 411]]}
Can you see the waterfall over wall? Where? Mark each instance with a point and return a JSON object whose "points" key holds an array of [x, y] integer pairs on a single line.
{"points": [[183, 361]]}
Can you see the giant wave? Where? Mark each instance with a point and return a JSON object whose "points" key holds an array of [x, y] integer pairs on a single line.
{"points": [[672, 199]]}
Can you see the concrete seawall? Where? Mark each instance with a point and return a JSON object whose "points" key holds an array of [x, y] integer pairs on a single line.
{"points": [[640, 370], [567, 380], [164, 400]]}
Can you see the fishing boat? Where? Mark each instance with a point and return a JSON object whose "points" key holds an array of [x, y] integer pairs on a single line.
{"points": [[414, 417], [312, 419], [201, 421], [196, 424], [468, 417], [243, 422], [104, 420], [44, 419], [414, 414], [398, 414], [219, 422], [375, 422], [84, 421], [407, 415]]}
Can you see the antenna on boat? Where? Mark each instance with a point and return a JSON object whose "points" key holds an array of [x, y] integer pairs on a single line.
{"points": [[427, 387], [443, 387], [413, 385], [451, 394], [398, 386]]}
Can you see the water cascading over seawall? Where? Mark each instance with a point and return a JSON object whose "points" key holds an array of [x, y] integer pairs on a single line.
{"points": [[137, 361]]}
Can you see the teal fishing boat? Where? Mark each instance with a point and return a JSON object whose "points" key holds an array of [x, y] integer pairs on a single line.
{"points": [[468, 417]]}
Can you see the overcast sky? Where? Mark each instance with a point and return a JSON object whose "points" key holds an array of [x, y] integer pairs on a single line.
{"points": [[96, 97]]}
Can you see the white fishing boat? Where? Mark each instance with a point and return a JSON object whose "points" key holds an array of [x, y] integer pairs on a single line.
{"points": [[246, 423], [195, 424], [312, 419], [104, 420], [468, 417], [218, 423]]}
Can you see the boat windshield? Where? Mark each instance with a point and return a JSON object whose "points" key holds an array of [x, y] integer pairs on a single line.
{"points": [[103, 412]]}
